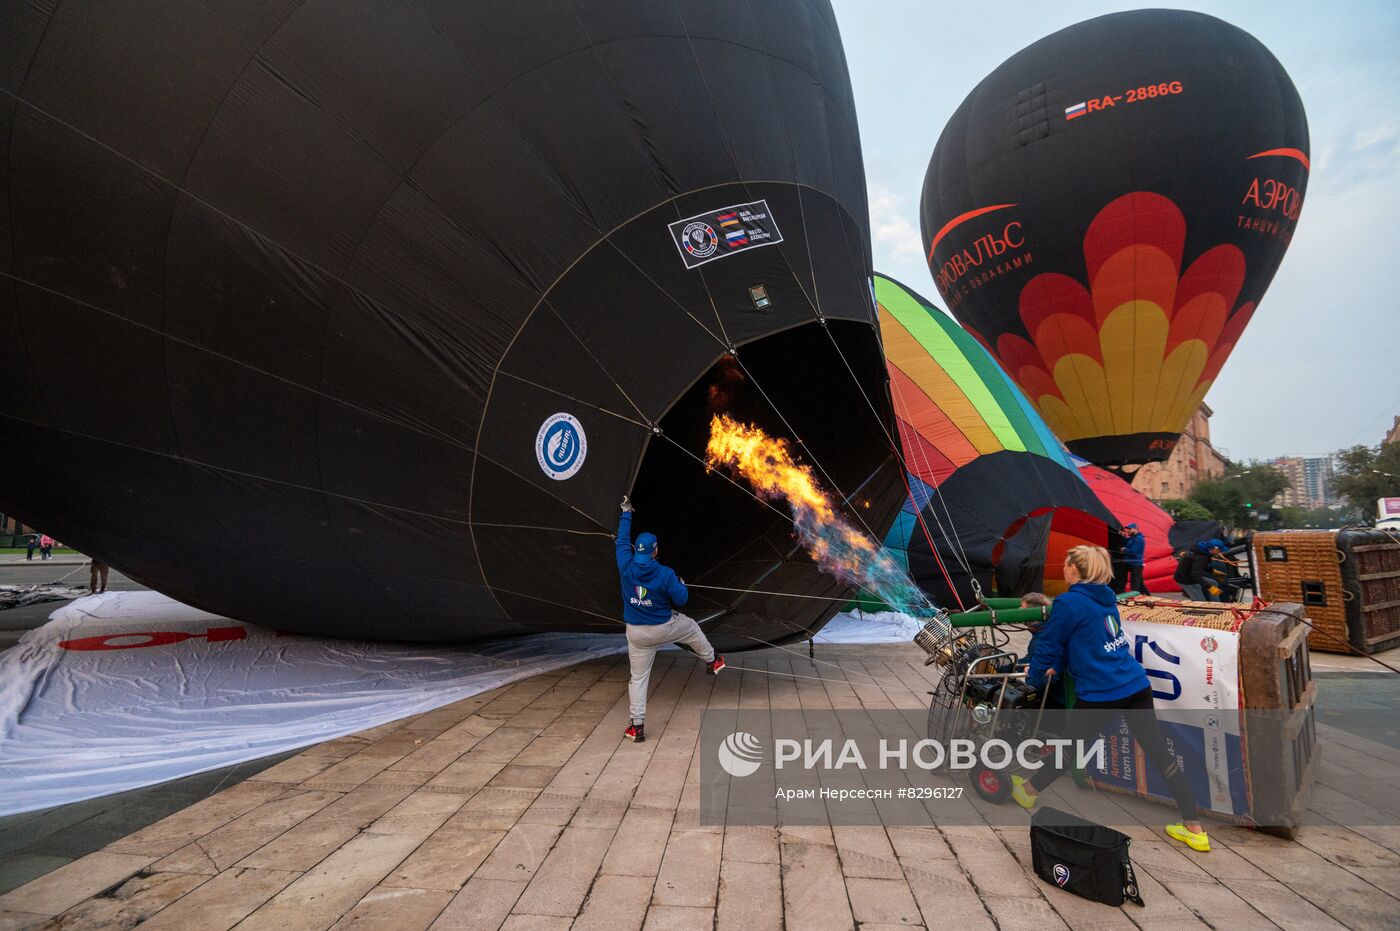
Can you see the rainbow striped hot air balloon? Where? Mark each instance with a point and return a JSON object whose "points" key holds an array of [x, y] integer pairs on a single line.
{"points": [[992, 494]]}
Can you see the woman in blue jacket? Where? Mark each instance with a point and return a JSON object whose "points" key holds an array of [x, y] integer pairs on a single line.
{"points": [[1084, 637]]}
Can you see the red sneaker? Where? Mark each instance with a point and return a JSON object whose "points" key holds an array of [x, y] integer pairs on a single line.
{"points": [[714, 667], [635, 733]]}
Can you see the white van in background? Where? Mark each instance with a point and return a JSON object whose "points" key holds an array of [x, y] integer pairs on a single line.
{"points": [[1388, 514]]}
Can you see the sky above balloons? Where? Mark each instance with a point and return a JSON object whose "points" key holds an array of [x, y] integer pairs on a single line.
{"points": [[1319, 366]]}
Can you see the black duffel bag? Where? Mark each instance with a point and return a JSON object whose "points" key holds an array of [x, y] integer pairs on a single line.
{"points": [[1082, 857]]}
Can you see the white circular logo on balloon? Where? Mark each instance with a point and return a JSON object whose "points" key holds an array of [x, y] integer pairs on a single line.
{"points": [[561, 446], [700, 239], [740, 754]]}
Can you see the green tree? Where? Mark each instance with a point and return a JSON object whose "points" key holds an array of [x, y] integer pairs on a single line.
{"points": [[1290, 518], [1186, 509], [1364, 474], [1243, 497]]}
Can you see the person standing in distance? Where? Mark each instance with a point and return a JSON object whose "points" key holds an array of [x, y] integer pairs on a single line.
{"points": [[97, 584], [1134, 554], [650, 593]]}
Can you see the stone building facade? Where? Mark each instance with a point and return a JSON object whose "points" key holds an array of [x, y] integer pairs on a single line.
{"points": [[1193, 460]]}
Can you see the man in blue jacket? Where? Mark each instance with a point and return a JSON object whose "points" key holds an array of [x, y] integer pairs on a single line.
{"points": [[1134, 553], [650, 591]]}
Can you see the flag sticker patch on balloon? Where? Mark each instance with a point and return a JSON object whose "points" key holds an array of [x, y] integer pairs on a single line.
{"points": [[561, 446], [1131, 95], [706, 237]]}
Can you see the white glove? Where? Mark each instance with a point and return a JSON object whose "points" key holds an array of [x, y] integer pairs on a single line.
{"points": [[626, 505]]}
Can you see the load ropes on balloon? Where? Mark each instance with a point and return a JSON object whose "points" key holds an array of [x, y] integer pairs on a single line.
{"points": [[360, 321], [992, 495], [1105, 211]]}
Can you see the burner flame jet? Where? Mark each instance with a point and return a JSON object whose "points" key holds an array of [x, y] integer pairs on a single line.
{"points": [[839, 549]]}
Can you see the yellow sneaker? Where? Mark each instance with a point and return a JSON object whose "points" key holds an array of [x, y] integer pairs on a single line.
{"points": [[1191, 839], [1019, 793]]}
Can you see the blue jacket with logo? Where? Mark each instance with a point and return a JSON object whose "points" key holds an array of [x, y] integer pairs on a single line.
{"points": [[649, 589], [1133, 549], [1085, 638]]}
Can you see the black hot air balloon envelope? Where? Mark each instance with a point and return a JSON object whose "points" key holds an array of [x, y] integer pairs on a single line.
{"points": [[1105, 211], [359, 319]]}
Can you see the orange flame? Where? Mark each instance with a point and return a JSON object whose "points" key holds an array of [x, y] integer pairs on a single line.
{"points": [[768, 464]]}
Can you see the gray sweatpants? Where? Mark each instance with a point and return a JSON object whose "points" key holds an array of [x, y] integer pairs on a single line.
{"points": [[643, 640]]}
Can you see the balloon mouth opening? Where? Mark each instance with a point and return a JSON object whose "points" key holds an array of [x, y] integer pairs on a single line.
{"points": [[795, 385], [1124, 453]]}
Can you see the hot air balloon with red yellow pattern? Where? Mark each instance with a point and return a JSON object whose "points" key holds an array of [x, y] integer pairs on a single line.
{"points": [[1106, 210]]}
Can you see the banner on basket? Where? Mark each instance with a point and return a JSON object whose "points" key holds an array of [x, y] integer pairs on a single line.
{"points": [[1194, 673]]}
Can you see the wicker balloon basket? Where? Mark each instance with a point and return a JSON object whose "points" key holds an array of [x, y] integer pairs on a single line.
{"points": [[1348, 581], [1277, 695]]}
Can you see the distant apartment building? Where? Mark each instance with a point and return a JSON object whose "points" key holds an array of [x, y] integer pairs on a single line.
{"points": [[1293, 496], [1192, 461], [1317, 480], [1309, 481], [1393, 434]]}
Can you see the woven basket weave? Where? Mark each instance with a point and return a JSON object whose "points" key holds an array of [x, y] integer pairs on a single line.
{"points": [[1311, 576], [1209, 614]]}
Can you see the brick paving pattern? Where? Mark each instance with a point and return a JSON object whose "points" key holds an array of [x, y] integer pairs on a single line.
{"points": [[523, 808]]}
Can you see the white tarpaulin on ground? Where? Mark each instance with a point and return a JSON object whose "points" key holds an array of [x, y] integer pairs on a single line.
{"points": [[856, 627], [129, 689]]}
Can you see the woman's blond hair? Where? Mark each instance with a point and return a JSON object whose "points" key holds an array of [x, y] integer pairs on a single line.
{"points": [[1092, 562]]}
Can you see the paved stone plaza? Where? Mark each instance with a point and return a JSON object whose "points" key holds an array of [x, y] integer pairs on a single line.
{"points": [[523, 808]]}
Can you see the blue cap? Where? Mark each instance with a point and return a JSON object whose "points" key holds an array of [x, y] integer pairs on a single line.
{"points": [[1132, 526], [645, 548]]}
